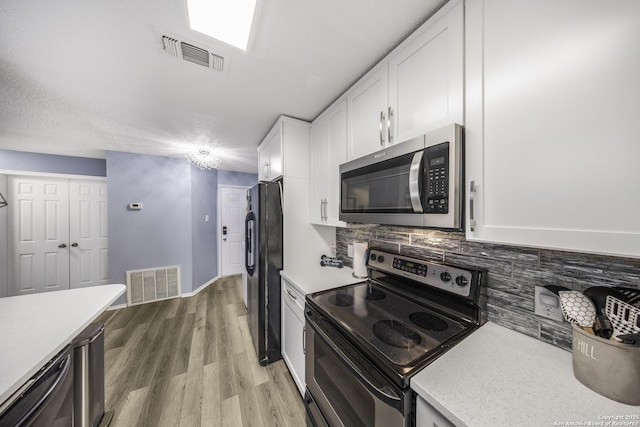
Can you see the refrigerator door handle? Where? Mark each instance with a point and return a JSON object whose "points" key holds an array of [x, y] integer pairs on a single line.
{"points": [[249, 252]]}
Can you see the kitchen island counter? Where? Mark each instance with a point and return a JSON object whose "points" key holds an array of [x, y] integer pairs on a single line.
{"points": [[36, 327], [499, 377]]}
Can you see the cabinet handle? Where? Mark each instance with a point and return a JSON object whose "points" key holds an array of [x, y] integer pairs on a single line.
{"points": [[304, 336], [324, 209], [381, 131], [389, 137], [75, 245], [321, 211], [472, 193], [291, 295], [62, 245]]}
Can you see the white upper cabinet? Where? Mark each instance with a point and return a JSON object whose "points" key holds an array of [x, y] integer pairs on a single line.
{"points": [[270, 155], [417, 88], [426, 78], [552, 124], [329, 151], [367, 104]]}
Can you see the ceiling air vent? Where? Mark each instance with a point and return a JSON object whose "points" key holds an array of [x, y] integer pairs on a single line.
{"points": [[197, 55]]}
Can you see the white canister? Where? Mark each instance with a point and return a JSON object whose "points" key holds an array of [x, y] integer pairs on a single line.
{"points": [[360, 259]]}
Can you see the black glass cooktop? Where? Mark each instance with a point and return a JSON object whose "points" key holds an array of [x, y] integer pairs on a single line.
{"points": [[398, 328]]}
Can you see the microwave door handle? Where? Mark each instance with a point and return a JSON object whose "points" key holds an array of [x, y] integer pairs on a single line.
{"points": [[414, 182]]}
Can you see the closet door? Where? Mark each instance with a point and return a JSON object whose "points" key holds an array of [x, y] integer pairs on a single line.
{"points": [[38, 235], [88, 237]]}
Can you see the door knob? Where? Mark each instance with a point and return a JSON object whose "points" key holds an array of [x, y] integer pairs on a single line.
{"points": [[62, 245], [75, 245]]}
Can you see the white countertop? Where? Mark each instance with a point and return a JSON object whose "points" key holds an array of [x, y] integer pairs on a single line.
{"points": [[320, 278], [34, 328], [499, 377]]}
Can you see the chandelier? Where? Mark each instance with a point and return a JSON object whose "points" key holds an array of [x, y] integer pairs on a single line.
{"points": [[203, 158]]}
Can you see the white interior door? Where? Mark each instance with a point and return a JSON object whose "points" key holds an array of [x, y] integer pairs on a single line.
{"points": [[88, 235], [233, 204], [39, 235]]}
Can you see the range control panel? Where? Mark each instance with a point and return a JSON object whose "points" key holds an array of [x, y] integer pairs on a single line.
{"points": [[444, 277]]}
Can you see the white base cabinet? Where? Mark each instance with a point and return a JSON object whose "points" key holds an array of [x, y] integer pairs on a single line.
{"points": [[552, 124], [293, 330], [427, 416]]}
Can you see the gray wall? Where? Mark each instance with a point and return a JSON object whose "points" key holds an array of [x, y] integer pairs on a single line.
{"points": [[237, 178], [204, 186], [35, 162], [158, 235], [512, 272]]}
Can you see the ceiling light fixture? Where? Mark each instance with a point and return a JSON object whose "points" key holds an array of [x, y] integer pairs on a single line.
{"points": [[229, 21], [204, 158]]}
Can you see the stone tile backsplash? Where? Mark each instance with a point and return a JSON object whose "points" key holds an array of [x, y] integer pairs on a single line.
{"points": [[511, 272]]}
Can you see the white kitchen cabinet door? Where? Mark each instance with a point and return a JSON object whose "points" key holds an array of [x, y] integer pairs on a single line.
{"points": [[367, 104], [270, 155], [329, 151], [263, 162], [552, 124], [319, 183], [426, 78], [293, 330], [275, 154]]}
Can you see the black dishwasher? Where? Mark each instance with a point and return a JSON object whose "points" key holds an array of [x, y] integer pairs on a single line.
{"points": [[46, 400]]}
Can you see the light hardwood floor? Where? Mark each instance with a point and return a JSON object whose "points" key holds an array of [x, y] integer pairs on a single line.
{"points": [[191, 362]]}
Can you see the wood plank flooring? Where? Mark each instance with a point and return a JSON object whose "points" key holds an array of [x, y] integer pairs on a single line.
{"points": [[191, 362]]}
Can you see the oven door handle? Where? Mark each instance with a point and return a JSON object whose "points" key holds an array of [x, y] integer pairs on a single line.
{"points": [[414, 181], [392, 400]]}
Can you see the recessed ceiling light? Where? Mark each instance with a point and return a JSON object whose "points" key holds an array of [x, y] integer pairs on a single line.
{"points": [[229, 21]]}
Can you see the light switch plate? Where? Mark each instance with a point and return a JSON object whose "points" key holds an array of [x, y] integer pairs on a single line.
{"points": [[547, 304]]}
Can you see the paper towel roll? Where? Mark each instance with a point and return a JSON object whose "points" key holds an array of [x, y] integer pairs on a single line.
{"points": [[360, 259]]}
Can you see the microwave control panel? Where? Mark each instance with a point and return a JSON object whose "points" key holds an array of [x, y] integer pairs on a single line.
{"points": [[437, 178]]}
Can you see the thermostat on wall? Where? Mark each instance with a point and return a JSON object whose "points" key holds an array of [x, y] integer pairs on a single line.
{"points": [[135, 206]]}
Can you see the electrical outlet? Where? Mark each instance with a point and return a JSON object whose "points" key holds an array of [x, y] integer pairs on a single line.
{"points": [[547, 304]]}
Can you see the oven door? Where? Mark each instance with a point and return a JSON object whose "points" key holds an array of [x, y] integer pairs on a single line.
{"points": [[345, 389]]}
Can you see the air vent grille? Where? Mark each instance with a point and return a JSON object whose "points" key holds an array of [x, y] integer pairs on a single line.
{"points": [[170, 46], [194, 54], [154, 284]]}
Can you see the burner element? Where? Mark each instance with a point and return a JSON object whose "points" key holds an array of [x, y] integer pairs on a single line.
{"points": [[374, 294], [341, 299], [428, 321], [396, 334]]}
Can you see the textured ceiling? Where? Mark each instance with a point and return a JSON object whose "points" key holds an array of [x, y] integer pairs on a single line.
{"points": [[81, 77]]}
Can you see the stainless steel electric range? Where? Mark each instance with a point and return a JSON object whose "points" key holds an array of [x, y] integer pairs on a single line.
{"points": [[364, 341]]}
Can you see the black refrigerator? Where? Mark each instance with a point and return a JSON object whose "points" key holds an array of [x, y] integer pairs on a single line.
{"points": [[263, 261]]}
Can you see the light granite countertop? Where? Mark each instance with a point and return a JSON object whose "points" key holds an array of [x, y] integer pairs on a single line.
{"points": [[320, 278], [34, 328], [499, 377]]}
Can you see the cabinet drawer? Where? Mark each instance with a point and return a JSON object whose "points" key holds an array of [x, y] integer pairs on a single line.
{"points": [[293, 296]]}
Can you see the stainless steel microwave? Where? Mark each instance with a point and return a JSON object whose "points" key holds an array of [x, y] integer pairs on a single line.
{"points": [[416, 183]]}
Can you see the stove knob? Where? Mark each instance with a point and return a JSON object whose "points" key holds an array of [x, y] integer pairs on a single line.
{"points": [[372, 257], [380, 258], [462, 281], [445, 276]]}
